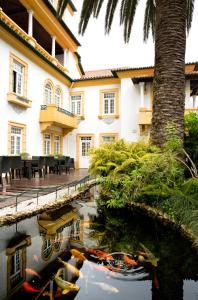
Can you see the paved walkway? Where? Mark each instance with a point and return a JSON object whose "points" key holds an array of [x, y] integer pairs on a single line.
{"points": [[31, 187]]}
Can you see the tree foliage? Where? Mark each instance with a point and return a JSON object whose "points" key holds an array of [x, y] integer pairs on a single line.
{"points": [[127, 14], [136, 172], [191, 134]]}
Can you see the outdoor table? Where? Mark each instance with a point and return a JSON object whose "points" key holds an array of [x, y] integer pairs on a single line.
{"points": [[28, 164]]}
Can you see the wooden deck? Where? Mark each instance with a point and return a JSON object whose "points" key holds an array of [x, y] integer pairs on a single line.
{"points": [[30, 186]]}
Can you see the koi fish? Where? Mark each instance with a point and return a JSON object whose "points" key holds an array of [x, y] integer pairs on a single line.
{"points": [[140, 258], [129, 261], [151, 258], [79, 255], [35, 257], [71, 268], [99, 253], [32, 272], [106, 287], [66, 286], [30, 289], [155, 281]]}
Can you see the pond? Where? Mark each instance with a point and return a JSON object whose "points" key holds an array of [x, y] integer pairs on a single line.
{"points": [[82, 252]]}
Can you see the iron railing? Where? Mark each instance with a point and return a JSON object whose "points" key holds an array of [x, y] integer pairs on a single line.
{"points": [[35, 193]]}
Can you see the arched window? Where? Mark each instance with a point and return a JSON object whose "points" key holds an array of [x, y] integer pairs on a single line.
{"points": [[48, 94], [58, 97]]}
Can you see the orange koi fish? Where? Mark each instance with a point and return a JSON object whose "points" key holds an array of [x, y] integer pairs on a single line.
{"points": [[79, 255], [32, 272], [155, 281], [100, 254], [130, 261], [30, 289]]}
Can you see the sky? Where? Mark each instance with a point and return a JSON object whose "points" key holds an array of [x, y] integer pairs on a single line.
{"points": [[100, 51]]}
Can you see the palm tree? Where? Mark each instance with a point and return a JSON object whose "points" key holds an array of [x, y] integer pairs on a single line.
{"points": [[168, 21]]}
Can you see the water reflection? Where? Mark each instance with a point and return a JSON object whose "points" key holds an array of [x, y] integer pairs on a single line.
{"points": [[125, 256]]}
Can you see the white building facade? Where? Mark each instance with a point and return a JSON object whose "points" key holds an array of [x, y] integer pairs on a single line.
{"points": [[49, 105]]}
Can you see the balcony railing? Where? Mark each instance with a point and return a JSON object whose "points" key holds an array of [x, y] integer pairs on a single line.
{"points": [[52, 115], [19, 31]]}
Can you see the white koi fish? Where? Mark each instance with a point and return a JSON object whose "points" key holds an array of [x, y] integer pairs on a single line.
{"points": [[106, 287], [66, 286]]}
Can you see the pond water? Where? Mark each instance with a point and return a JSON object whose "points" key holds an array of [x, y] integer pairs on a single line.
{"points": [[126, 256]]}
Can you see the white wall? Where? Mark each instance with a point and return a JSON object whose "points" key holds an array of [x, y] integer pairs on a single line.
{"points": [[130, 103], [35, 92]]}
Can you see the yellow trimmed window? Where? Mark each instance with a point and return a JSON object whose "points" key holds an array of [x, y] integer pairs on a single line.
{"points": [[48, 93], [16, 138], [47, 144], [57, 144], [18, 76], [108, 137], [58, 97], [77, 104], [109, 103]]}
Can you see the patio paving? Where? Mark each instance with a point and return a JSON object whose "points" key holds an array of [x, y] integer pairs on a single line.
{"points": [[30, 187]]}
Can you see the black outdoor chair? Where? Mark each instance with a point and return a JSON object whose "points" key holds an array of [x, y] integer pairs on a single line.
{"points": [[70, 164], [51, 163], [38, 165], [62, 164], [5, 167], [16, 166]]}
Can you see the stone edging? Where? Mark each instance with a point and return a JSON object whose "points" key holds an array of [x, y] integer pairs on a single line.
{"points": [[165, 219]]}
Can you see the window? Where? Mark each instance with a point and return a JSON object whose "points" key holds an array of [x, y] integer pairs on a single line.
{"points": [[47, 144], [76, 104], [48, 94], [58, 97], [85, 145], [17, 78], [16, 268], [56, 144], [47, 249], [108, 139], [16, 140], [109, 104]]}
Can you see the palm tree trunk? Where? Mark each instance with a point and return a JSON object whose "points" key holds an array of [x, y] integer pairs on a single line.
{"points": [[169, 77]]}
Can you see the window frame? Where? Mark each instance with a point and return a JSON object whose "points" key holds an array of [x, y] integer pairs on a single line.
{"points": [[21, 126], [76, 102], [103, 106], [57, 88], [45, 144], [112, 134], [24, 74]]}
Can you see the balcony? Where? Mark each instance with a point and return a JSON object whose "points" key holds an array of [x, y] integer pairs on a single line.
{"points": [[19, 100], [51, 115], [145, 116]]}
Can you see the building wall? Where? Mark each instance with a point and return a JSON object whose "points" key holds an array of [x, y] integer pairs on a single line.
{"points": [[35, 92]]}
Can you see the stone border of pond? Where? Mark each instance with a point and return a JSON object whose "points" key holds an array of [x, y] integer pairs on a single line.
{"points": [[166, 220], [10, 219]]}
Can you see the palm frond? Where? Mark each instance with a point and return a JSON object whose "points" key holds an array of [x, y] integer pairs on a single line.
{"points": [[127, 14], [62, 4], [90, 7], [149, 19], [111, 7], [190, 9], [97, 7]]}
